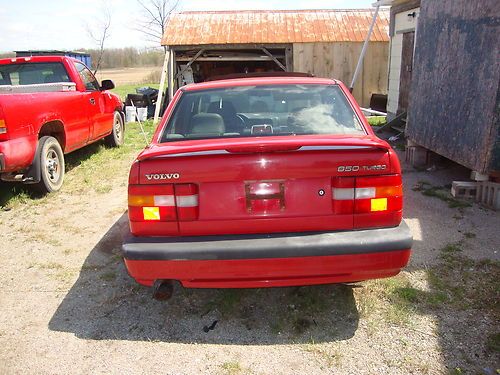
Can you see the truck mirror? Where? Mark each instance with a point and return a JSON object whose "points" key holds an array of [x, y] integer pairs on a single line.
{"points": [[107, 84]]}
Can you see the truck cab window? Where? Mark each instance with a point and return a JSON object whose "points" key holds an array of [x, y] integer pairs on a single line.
{"points": [[32, 73], [87, 77]]}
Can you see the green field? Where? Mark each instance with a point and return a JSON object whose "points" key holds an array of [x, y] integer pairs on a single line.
{"points": [[123, 90]]}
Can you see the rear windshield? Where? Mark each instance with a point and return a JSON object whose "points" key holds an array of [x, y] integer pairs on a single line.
{"points": [[32, 73], [250, 111]]}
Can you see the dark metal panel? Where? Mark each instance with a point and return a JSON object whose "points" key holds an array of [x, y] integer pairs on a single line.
{"points": [[453, 102]]}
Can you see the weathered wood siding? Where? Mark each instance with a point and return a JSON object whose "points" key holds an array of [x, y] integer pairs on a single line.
{"points": [[338, 60], [454, 97], [401, 23]]}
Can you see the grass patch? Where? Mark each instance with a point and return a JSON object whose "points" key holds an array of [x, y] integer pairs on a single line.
{"points": [[305, 308], [108, 276], [231, 368], [493, 342], [442, 193], [227, 301], [457, 283]]}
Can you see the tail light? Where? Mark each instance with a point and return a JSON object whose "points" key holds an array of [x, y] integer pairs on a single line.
{"points": [[163, 203], [151, 203], [186, 200], [3, 125], [375, 201]]}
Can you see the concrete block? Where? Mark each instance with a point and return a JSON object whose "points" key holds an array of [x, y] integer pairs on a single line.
{"points": [[464, 189], [417, 156], [476, 176], [488, 194]]}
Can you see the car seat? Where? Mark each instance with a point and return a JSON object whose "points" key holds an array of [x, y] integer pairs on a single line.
{"points": [[207, 123]]}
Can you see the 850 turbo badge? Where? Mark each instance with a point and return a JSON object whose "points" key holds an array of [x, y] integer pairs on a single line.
{"points": [[356, 168]]}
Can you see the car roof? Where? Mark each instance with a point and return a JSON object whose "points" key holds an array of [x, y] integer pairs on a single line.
{"points": [[259, 82]]}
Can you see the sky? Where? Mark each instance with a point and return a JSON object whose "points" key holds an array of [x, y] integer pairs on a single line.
{"points": [[63, 24]]}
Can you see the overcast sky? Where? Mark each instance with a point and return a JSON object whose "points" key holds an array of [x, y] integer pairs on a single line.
{"points": [[61, 24]]}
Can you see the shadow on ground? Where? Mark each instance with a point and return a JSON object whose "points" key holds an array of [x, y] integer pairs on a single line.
{"points": [[106, 304]]}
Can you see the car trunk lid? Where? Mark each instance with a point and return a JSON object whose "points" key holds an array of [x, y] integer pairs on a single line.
{"points": [[262, 185]]}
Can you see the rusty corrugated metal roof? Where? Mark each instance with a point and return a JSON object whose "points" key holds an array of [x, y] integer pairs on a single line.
{"points": [[274, 26]]}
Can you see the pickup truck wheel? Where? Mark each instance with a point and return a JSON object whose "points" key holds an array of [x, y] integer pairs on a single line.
{"points": [[51, 164], [115, 139]]}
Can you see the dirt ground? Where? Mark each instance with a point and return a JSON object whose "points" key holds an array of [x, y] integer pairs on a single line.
{"points": [[67, 305]]}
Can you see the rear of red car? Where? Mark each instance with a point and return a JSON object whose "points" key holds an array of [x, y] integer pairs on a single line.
{"points": [[265, 182]]}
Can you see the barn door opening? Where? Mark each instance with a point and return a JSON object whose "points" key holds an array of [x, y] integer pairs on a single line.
{"points": [[209, 62], [406, 71]]}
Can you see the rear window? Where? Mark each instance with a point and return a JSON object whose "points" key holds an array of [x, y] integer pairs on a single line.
{"points": [[250, 111], [32, 73]]}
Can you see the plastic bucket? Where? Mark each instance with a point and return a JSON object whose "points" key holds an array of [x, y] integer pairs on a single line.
{"points": [[142, 113], [130, 115]]}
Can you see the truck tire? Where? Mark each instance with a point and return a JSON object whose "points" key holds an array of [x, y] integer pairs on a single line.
{"points": [[52, 165], [117, 136]]}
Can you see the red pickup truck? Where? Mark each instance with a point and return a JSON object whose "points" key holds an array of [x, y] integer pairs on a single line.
{"points": [[262, 182], [50, 106]]}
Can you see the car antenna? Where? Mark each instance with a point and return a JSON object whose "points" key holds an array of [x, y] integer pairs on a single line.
{"points": [[140, 123]]}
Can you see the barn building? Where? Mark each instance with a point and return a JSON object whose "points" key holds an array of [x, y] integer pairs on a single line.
{"points": [[326, 43]]}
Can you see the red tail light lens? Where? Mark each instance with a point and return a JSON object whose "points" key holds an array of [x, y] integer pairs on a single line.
{"points": [[375, 201], [186, 199], [343, 195], [163, 202], [378, 194], [3, 126], [151, 203]]}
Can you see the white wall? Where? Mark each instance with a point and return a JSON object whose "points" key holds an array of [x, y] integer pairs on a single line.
{"points": [[403, 23]]}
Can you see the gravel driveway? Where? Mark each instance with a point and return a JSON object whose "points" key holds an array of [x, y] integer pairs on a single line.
{"points": [[67, 304]]}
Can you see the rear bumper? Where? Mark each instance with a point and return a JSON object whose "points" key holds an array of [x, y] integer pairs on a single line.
{"points": [[242, 261], [17, 154]]}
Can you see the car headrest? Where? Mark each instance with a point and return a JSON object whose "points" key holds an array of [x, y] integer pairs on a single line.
{"points": [[207, 123]]}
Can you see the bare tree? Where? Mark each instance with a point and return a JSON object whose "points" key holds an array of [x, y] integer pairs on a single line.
{"points": [[154, 20], [99, 32]]}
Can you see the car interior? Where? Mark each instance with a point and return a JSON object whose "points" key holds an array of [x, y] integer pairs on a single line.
{"points": [[262, 111]]}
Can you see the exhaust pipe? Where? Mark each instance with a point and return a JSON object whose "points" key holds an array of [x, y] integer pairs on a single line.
{"points": [[163, 290]]}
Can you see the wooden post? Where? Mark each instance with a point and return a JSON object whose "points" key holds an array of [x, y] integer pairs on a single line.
{"points": [[171, 75], [289, 59], [162, 88]]}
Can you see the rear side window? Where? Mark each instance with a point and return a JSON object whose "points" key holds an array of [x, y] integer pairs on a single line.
{"points": [[87, 77], [32, 73], [251, 111]]}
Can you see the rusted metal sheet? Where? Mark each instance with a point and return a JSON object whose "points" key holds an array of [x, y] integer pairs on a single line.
{"points": [[454, 98], [268, 27]]}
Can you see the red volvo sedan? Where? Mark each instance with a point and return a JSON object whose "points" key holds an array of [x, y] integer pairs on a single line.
{"points": [[264, 182]]}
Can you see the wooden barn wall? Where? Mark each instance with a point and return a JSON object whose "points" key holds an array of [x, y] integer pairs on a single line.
{"points": [[338, 60], [456, 74]]}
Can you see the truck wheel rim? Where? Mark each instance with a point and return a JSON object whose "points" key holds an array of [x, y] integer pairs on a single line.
{"points": [[118, 130], [53, 166]]}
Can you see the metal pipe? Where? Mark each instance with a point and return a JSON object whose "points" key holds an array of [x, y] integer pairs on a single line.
{"points": [[373, 112], [363, 50]]}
